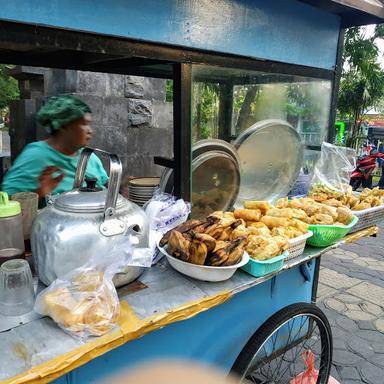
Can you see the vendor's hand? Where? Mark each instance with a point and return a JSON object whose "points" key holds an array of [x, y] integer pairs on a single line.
{"points": [[47, 183]]}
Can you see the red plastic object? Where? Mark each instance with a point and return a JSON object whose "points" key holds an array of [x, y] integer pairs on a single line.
{"points": [[311, 374]]}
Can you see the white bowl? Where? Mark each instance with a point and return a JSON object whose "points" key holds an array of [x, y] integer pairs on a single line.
{"points": [[204, 272]]}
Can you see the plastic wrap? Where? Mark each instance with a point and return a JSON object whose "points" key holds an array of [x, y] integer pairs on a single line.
{"points": [[333, 169], [164, 213], [84, 302]]}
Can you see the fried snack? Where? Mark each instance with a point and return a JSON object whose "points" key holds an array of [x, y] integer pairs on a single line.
{"points": [[328, 210], [235, 251], [278, 231], [209, 241], [240, 231], [272, 222], [321, 218], [263, 206], [262, 248], [184, 227], [282, 242], [89, 281], [288, 213], [361, 206], [58, 303], [333, 203], [344, 215], [319, 197], [282, 203], [178, 246], [299, 225], [261, 229], [292, 232], [247, 214], [197, 252], [220, 245]]}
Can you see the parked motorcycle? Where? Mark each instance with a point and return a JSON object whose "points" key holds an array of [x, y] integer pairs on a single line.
{"points": [[362, 174]]}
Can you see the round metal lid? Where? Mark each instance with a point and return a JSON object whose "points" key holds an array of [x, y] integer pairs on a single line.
{"points": [[271, 155], [79, 201], [216, 179], [206, 145]]}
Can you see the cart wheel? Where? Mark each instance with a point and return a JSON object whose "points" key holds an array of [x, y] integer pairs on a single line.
{"points": [[274, 354]]}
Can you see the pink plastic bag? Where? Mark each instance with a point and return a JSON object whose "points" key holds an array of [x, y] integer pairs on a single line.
{"points": [[311, 374]]}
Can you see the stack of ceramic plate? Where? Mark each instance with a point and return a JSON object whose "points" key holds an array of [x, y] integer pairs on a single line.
{"points": [[141, 189]]}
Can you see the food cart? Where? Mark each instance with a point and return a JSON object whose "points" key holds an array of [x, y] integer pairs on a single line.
{"points": [[232, 44]]}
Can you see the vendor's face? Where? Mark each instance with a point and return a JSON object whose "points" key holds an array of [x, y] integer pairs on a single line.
{"points": [[79, 132]]}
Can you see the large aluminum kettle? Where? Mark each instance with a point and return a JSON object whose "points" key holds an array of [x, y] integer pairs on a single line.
{"points": [[84, 221]]}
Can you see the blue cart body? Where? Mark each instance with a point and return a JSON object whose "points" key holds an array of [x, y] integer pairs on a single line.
{"points": [[213, 337]]}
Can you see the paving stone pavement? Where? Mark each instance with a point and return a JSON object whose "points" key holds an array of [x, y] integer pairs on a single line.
{"points": [[351, 293]]}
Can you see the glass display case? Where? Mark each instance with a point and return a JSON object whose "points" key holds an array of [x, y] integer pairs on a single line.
{"points": [[275, 123]]}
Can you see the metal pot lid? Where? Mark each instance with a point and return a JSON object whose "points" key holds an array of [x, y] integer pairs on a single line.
{"points": [[216, 179], [203, 146], [80, 201], [271, 155], [200, 147]]}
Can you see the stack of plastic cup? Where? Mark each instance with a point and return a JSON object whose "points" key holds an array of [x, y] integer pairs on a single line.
{"points": [[17, 295]]}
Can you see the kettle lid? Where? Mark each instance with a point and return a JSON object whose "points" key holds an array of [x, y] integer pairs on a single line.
{"points": [[85, 199]]}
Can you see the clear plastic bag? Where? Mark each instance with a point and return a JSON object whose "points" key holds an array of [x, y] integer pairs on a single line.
{"points": [[333, 169], [84, 302], [311, 374], [164, 213]]}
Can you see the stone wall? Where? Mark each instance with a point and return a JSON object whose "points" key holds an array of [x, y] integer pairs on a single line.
{"points": [[130, 115]]}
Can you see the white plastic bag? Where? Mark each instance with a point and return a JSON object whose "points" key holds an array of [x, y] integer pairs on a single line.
{"points": [[333, 169], [84, 302], [164, 213]]}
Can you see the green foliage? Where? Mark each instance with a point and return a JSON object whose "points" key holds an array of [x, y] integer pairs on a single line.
{"points": [[362, 82], [8, 87], [169, 90], [205, 111]]}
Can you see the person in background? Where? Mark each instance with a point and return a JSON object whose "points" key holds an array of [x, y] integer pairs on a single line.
{"points": [[49, 166]]}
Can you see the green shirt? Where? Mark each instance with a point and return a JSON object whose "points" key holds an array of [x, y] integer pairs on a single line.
{"points": [[28, 166]]}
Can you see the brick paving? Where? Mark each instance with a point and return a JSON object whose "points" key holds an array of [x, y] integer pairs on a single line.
{"points": [[351, 293]]}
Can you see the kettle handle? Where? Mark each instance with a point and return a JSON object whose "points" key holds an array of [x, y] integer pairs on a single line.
{"points": [[115, 171]]}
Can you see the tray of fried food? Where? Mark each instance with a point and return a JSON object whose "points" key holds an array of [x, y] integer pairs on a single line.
{"points": [[218, 240], [366, 199], [310, 211]]}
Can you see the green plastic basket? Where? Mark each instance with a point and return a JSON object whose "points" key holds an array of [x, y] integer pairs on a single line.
{"points": [[260, 268], [325, 235]]}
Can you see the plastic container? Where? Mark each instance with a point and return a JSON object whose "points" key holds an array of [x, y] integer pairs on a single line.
{"points": [[368, 218], [204, 272], [260, 268], [297, 245], [11, 229], [17, 295], [29, 202], [325, 235]]}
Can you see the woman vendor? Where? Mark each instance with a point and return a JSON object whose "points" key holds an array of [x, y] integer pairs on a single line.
{"points": [[49, 166]]}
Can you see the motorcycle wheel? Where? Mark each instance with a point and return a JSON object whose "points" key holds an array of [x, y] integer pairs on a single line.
{"points": [[367, 183], [355, 183]]}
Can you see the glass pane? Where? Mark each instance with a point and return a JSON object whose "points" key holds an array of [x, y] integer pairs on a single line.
{"points": [[226, 102]]}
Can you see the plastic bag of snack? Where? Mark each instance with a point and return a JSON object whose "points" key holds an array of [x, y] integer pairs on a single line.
{"points": [[333, 170], [84, 302], [164, 213], [311, 374]]}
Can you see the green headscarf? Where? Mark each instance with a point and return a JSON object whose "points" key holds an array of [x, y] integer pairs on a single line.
{"points": [[60, 111]]}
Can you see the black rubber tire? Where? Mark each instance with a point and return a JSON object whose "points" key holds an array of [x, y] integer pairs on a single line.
{"points": [[367, 183], [355, 184], [274, 322]]}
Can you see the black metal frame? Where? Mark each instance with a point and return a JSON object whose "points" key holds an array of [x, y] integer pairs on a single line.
{"points": [[58, 48]]}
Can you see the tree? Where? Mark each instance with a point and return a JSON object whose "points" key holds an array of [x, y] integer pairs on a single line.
{"points": [[8, 87], [362, 82]]}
